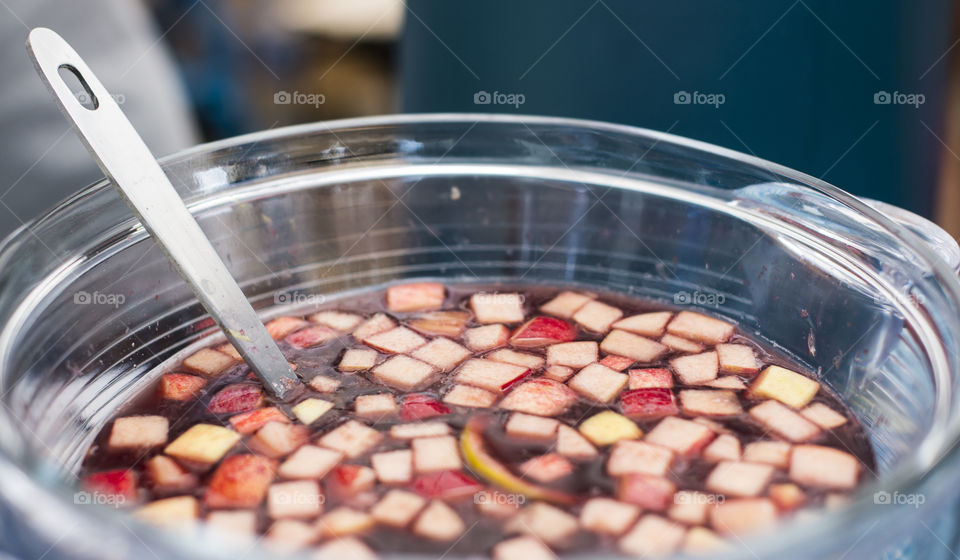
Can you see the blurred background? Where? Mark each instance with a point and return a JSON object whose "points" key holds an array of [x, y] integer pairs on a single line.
{"points": [[861, 94]]}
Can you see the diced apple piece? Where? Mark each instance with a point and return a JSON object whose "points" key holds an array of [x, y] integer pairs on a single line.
{"points": [[546, 468], [608, 427], [240, 481], [784, 422], [208, 362], [350, 480], [725, 448], [630, 456], [282, 326], [522, 548], [439, 522], [616, 363], [680, 344], [422, 407], [743, 516], [445, 485], [823, 467], [740, 479], [374, 325], [653, 493], [397, 508], [786, 496], [399, 340], [352, 438], [558, 373], [692, 507], [540, 396], [166, 475], [543, 331], [203, 443], [648, 403], [789, 387], [776, 453], [310, 410], [421, 296], [490, 375], [375, 406], [650, 325], [532, 427], [240, 523], [236, 397], [442, 353], [714, 426], [652, 378], [310, 336], [486, 337], [710, 403], [701, 541], [545, 522], [701, 328], [632, 346], [571, 444], [337, 320], [229, 350], [418, 430], [249, 422], [597, 316], [605, 516], [349, 547], [357, 359], [598, 383], [309, 462], [441, 323], [521, 359], [403, 372], [497, 308], [683, 436], [651, 537], [393, 467], [344, 522], [737, 359], [120, 484], [697, 368], [289, 535], [729, 382], [279, 439], [324, 384], [472, 397], [299, 499], [573, 354], [435, 454], [565, 304], [169, 511], [180, 386], [824, 416], [138, 432]]}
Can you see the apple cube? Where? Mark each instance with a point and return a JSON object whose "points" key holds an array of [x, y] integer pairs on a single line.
{"points": [[300, 499], [597, 316], [566, 304], [540, 396], [138, 432], [598, 383], [725, 448], [208, 362], [701, 541], [715, 427], [439, 522], [324, 384], [249, 422], [310, 410], [521, 359], [824, 416], [701, 328], [573, 354], [648, 403], [399, 340], [544, 522], [422, 407], [686, 438], [521, 548], [180, 386], [486, 337], [311, 336], [472, 397], [543, 331], [652, 536], [229, 350], [743, 516], [289, 535], [616, 363], [532, 427], [445, 485], [789, 387], [282, 326], [692, 507], [278, 439], [442, 353], [241, 523], [375, 406], [344, 522], [786, 496], [374, 325], [357, 359], [653, 493], [350, 480], [203, 443], [784, 422], [309, 462], [650, 325], [630, 456], [240, 481], [441, 323], [337, 320], [680, 344], [166, 475], [608, 427], [436, 454], [393, 467], [558, 373], [169, 512], [697, 368], [546, 468], [352, 438], [573, 445], [397, 508], [341, 548], [737, 359], [729, 382], [606, 516], [120, 483], [418, 430], [632, 346], [776, 453], [823, 467], [738, 478], [403, 372], [497, 308], [490, 375], [236, 397], [652, 378], [421, 296], [710, 403]]}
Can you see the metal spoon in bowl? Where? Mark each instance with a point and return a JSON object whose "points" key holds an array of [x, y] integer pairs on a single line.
{"points": [[122, 155]]}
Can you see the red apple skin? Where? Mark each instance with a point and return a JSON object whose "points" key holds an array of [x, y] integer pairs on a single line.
{"points": [[445, 485], [421, 407], [649, 492], [616, 363], [249, 422], [121, 483], [236, 397], [180, 386], [648, 403], [343, 481], [240, 481], [543, 331], [310, 336], [661, 377]]}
